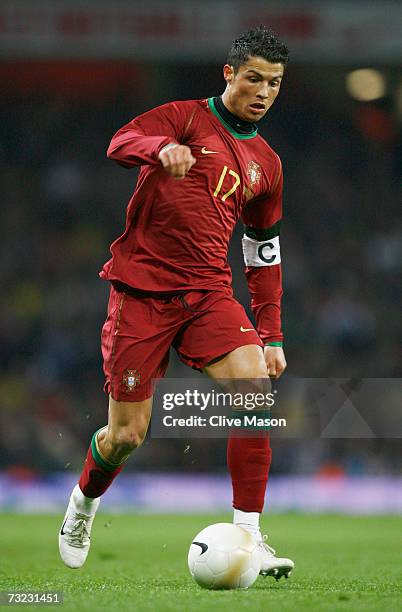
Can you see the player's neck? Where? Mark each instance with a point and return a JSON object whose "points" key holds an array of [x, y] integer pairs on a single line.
{"points": [[239, 125]]}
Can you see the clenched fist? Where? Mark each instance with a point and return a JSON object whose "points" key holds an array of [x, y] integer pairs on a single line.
{"points": [[176, 159], [275, 360]]}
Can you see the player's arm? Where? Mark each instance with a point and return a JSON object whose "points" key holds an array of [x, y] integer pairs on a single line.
{"points": [[154, 138], [262, 256]]}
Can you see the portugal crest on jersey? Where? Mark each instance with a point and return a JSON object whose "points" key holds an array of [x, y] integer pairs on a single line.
{"points": [[131, 379], [254, 173]]}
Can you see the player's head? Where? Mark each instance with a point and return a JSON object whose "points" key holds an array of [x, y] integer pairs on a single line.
{"points": [[253, 73], [261, 42]]}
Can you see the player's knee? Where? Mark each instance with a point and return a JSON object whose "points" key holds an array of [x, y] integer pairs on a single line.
{"points": [[252, 372], [126, 440], [249, 380]]}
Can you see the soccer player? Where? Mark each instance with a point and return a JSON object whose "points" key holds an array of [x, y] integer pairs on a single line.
{"points": [[203, 166]]}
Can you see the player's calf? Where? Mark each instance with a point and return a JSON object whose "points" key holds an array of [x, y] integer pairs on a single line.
{"points": [[109, 449]]}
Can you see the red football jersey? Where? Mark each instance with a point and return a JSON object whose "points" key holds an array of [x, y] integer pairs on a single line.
{"points": [[177, 231]]}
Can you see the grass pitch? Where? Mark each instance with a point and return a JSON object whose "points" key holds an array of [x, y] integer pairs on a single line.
{"points": [[140, 563]]}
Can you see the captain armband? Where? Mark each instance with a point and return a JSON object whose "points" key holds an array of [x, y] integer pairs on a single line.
{"points": [[261, 246]]}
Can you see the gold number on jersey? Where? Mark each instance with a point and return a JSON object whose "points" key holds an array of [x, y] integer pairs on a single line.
{"points": [[220, 183]]}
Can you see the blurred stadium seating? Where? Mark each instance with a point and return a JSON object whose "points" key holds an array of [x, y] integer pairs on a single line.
{"points": [[63, 203]]}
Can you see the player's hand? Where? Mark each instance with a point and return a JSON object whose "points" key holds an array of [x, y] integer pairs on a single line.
{"points": [[275, 361], [176, 160]]}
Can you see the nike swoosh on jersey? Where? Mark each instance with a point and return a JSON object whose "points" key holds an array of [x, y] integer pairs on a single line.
{"points": [[244, 329], [206, 152]]}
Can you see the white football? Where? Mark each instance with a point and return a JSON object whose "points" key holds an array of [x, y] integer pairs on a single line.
{"points": [[224, 556]]}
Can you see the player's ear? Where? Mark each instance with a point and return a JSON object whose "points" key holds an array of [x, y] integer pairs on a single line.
{"points": [[228, 73]]}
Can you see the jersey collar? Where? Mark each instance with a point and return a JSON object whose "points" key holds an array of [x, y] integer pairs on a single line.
{"points": [[214, 110]]}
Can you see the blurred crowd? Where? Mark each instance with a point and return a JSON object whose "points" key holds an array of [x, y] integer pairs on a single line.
{"points": [[63, 203]]}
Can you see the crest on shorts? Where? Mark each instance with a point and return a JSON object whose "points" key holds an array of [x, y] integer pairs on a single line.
{"points": [[131, 379], [254, 173]]}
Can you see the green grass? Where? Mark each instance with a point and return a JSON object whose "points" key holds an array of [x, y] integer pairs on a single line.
{"points": [[140, 563]]}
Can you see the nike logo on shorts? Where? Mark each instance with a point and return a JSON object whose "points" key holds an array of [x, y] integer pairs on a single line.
{"points": [[206, 152], [244, 329]]}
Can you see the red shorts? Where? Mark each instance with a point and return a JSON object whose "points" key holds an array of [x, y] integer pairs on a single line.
{"points": [[140, 329]]}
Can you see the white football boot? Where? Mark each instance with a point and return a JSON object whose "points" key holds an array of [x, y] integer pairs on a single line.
{"points": [[75, 532], [272, 565]]}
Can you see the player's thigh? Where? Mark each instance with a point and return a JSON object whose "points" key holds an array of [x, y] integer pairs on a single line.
{"points": [[128, 418], [220, 330], [245, 362], [136, 338], [242, 371], [222, 341]]}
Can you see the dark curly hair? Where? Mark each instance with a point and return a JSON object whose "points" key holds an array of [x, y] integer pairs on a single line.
{"points": [[260, 41]]}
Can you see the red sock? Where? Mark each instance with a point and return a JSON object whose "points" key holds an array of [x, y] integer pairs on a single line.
{"points": [[249, 460], [97, 474]]}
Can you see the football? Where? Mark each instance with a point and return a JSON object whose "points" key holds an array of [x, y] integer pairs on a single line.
{"points": [[224, 556]]}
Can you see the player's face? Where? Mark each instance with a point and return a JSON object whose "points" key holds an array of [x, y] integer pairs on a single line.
{"points": [[252, 90]]}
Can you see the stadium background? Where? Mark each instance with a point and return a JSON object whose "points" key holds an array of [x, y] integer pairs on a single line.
{"points": [[72, 73]]}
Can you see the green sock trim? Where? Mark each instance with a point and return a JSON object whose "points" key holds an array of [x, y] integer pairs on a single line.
{"points": [[106, 465], [274, 344]]}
